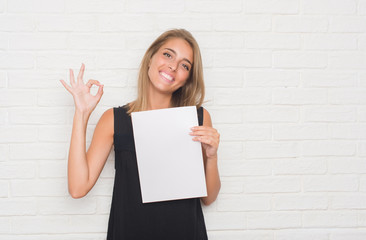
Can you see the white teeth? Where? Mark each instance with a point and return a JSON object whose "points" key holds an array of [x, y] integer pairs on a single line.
{"points": [[170, 78]]}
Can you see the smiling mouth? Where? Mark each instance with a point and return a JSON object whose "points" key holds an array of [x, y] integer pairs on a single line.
{"points": [[167, 77]]}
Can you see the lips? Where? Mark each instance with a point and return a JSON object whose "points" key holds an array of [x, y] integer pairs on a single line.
{"points": [[167, 77]]}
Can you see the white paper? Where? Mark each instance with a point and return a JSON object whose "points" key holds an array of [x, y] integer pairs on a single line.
{"points": [[170, 163]]}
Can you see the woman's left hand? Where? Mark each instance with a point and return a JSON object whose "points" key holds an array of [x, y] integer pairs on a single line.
{"points": [[209, 137]]}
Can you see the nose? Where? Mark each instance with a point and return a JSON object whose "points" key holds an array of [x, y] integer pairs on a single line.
{"points": [[173, 66]]}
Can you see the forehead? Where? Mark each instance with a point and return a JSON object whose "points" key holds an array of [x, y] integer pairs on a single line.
{"points": [[182, 48]]}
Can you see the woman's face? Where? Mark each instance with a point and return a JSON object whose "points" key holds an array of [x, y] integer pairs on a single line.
{"points": [[170, 66]]}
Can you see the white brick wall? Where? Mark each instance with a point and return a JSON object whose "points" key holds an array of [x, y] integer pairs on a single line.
{"points": [[286, 88]]}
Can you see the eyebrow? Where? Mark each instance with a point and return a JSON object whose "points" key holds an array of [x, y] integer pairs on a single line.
{"points": [[176, 53]]}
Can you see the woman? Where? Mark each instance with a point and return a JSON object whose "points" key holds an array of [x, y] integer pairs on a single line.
{"points": [[170, 76]]}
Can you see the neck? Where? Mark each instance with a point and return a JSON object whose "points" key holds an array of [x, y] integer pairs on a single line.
{"points": [[158, 100]]}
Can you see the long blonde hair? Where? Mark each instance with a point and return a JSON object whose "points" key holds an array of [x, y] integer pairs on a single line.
{"points": [[191, 93]]}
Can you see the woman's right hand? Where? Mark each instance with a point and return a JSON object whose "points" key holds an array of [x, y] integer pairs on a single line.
{"points": [[85, 102]]}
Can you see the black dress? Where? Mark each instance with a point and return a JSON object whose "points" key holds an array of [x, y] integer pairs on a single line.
{"points": [[130, 219]]}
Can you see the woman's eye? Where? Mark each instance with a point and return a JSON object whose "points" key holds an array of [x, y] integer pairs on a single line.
{"points": [[185, 67], [167, 54]]}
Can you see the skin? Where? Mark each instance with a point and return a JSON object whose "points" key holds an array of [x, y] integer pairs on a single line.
{"points": [[169, 69]]}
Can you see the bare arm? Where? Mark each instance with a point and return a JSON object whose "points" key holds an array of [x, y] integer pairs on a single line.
{"points": [[85, 168], [210, 138]]}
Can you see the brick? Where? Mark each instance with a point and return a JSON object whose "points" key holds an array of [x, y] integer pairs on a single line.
{"points": [[127, 59], [193, 23], [56, 236], [336, 183], [330, 42], [300, 131], [16, 23], [231, 96], [362, 42], [300, 59], [36, 116], [38, 151], [97, 41], [3, 79], [347, 60], [231, 6], [18, 134], [328, 7], [274, 220], [9, 98], [109, 170], [38, 41], [15, 60], [47, 133], [5, 225], [18, 206], [329, 219], [17, 170], [240, 235], [347, 24], [52, 169], [272, 185], [223, 78], [35, 187], [65, 23], [244, 132], [87, 6], [36, 6], [2, 5], [116, 23], [272, 6], [230, 187], [272, 78], [69, 206], [31, 79], [4, 189], [300, 202], [272, 41], [245, 168], [49, 98], [242, 59], [348, 131], [271, 114], [224, 220], [243, 203], [298, 24], [328, 148], [160, 6], [299, 166], [103, 205], [329, 79], [361, 114], [354, 234], [349, 201], [4, 41], [4, 152], [51, 60], [38, 224], [301, 234], [229, 150], [362, 7], [271, 149], [216, 40], [330, 114], [362, 184], [246, 23], [91, 223], [226, 115], [298, 96], [361, 149]]}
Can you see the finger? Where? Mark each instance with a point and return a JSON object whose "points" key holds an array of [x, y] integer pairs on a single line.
{"points": [[72, 80], [81, 73], [100, 92], [206, 140], [92, 82], [68, 88], [203, 133]]}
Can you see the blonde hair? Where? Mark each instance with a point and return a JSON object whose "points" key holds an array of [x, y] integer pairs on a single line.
{"points": [[191, 93]]}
